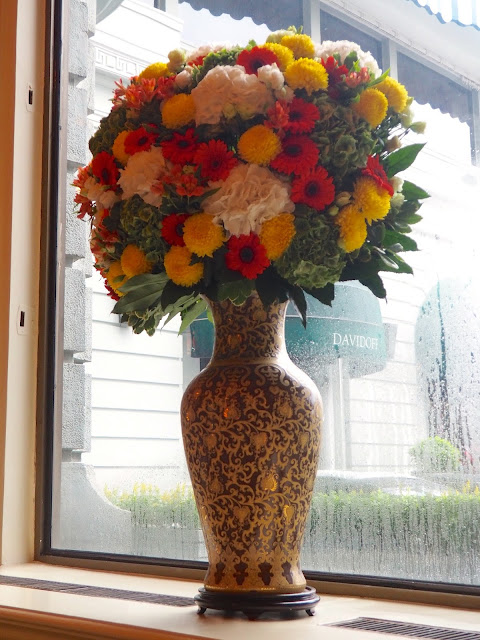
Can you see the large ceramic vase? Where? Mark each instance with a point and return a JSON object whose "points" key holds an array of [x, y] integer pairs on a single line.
{"points": [[251, 424]]}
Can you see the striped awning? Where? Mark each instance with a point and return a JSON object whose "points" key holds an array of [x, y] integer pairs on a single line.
{"points": [[466, 13]]}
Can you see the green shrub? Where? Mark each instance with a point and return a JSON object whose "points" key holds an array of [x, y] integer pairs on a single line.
{"points": [[351, 518], [152, 507], [435, 455], [442, 523]]}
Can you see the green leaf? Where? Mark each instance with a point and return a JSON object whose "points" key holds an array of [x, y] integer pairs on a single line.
{"points": [[387, 264], [394, 237], [325, 295], [412, 218], [381, 78], [141, 292], [177, 307], [154, 279], [350, 60], [271, 287], [138, 303], [375, 284], [402, 266], [376, 233], [237, 291], [412, 192], [172, 293], [401, 226], [402, 159], [297, 296], [191, 313]]}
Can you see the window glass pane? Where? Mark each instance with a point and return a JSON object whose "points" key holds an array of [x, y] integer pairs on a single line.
{"points": [[429, 86], [397, 493], [332, 28]]}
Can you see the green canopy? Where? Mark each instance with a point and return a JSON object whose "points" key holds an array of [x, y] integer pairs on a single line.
{"points": [[351, 329]]}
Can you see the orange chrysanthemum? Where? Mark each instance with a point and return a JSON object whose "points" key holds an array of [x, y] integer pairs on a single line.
{"points": [[134, 261], [178, 267], [201, 235], [371, 199], [116, 277], [372, 106], [277, 234], [395, 93], [300, 44], [353, 228], [155, 70], [259, 145], [118, 148], [306, 74], [178, 111]]}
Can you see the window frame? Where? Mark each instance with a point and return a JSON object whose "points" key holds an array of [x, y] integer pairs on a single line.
{"points": [[49, 407]]}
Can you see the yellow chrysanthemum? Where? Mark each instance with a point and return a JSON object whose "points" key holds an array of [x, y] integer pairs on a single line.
{"points": [[353, 228], [300, 44], [395, 93], [113, 277], [371, 199], [307, 74], [134, 261], [372, 106], [201, 235], [276, 234], [178, 111], [178, 267], [118, 148], [259, 145], [155, 70], [284, 54]]}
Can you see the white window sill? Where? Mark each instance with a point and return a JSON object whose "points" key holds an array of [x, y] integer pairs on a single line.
{"points": [[44, 615]]}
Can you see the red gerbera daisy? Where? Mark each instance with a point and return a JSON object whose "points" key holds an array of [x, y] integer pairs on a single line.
{"points": [[247, 255], [215, 160], [181, 148], [105, 169], [375, 170], [302, 116], [172, 228], [138, 140], [299, 154], [315, 189], [255, 58]]}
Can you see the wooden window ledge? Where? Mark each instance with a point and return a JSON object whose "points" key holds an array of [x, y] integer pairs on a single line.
{"points": [[34, 614]]}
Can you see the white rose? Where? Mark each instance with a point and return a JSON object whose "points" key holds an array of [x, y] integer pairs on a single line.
{"points": [[397, 184], [184, 78], [250, 195], [142, 170], [271, 76], [98, 193], [205, 49], [343, 48], [227, 90], [276, 36]]}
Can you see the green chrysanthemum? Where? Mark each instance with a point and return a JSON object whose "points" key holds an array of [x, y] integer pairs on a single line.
{"points": [[141, 223], [108, 130], [342, 137], [314, 258]]}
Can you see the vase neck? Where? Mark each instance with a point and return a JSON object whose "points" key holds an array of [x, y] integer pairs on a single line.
{"points": [[248, 330]]}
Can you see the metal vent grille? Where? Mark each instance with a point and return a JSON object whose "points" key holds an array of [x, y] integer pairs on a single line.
{"points": [[407, 629], [98, 592]]}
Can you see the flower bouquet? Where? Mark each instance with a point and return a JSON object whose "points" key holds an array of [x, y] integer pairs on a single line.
{"points": [[268, 168]]}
